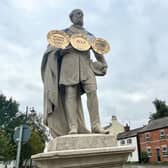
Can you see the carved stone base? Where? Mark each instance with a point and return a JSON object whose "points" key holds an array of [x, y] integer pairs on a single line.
{"points": [[83, 151], [81, 141]]}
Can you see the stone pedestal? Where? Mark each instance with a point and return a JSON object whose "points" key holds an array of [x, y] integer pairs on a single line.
{"points": [[83, 151]]}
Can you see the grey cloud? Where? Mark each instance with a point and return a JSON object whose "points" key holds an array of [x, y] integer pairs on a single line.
{"points": [[137, 32], [33, 87]]}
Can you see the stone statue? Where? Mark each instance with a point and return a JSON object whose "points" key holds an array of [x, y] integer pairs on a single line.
{"points": [[67, 74]]}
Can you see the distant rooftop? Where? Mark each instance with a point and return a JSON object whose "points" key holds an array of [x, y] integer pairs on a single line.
{"points": [[108, 126], [129, 134], [156, 124], [152, 125], [114, 118]]}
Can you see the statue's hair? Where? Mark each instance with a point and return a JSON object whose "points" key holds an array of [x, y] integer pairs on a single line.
{"points": [[73, 11]]}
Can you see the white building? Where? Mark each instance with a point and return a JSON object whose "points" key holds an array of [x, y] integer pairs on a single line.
{"points": [[130, 137], [115, 127], [10, 164]]}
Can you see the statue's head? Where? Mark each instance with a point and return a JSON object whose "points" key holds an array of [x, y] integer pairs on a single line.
{"points": [[76, 16]]}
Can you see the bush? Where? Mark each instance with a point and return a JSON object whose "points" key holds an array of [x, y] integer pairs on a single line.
{"points": [[144, 157]]}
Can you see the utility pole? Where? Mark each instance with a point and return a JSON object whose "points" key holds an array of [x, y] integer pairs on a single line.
{"points": [[19, 141], [19, 146]]}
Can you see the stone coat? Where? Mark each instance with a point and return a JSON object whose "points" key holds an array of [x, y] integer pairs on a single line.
{"points": [[54, 97], [58, 71], [77, 66]]}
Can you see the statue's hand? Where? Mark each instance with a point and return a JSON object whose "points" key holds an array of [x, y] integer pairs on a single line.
{"points": [[51, 47], [104, 70], [65, 51]]}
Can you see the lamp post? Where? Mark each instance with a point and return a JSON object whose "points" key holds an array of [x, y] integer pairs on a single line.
{"points": [[19, 143], [33, 114]]}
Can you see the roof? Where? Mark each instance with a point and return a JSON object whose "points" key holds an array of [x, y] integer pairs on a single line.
{"points": [[156, 124], [108, 126], [129, 134]]}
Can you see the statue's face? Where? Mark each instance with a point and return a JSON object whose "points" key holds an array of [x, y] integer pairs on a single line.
{"points": [[77, 17]]}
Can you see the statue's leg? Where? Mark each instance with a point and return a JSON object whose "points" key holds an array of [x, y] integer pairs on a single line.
{"points": [[71, 108], [92, 104]]}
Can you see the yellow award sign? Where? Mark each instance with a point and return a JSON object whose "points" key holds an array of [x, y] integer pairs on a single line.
{"points": [[80, 42], [58, 39], [100, 45]]}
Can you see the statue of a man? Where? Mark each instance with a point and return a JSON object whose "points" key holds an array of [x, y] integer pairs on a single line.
{"points": [[67, 74]]}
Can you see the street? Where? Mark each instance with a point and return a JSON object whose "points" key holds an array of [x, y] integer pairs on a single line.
{"points": [[147, 166]]}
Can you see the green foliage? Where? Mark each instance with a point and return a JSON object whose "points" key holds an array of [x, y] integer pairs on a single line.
{"points": [[33, 146], [6, 147], [36, 142], [8, 111], [10, 118], [161, 109], [144, 157], [35, 121]]}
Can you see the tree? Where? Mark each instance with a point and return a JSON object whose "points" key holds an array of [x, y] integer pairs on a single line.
{"points": [[36, 122], [6, 147], [37, 139], [161, 109], [10, 118], [36, 142], [33, 146], [144, 157]]}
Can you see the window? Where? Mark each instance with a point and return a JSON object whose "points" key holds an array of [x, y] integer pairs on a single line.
{"points": [[147, 136], [129, 141], [149, 151], [162, 134], [164, 150], [122, 142], [130, 154]]}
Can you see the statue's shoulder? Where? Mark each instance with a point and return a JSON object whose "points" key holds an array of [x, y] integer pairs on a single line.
{"points": [[90, 34], [65, 30], [70, 31]]}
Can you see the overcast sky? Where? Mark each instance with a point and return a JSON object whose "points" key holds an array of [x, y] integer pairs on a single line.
{"points": [[137, 31]]}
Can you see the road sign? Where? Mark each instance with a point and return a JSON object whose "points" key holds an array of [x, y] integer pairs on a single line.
{"points": [[25, 135]]}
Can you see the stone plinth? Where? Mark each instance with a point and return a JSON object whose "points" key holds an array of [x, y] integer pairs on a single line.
{"points": [[83, 151], [81, 141]]}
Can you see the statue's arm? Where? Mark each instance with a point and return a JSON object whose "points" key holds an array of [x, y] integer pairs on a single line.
{"points": [[51, 48], [100, 58], [58, 51]]}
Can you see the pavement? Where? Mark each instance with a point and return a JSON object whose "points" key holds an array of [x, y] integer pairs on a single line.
{"points": [[147, 166]]}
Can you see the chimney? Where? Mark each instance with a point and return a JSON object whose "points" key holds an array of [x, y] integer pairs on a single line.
{"points": [[126, 128], [114, 117]]}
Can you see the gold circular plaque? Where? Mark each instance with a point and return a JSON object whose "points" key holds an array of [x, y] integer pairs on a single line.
{"points": [[80, 42], [100, 45], [58, 39]]}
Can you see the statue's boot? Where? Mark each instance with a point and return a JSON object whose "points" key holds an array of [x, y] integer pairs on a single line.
{"points": [[72, 131], [71, 108], [92, 103]]}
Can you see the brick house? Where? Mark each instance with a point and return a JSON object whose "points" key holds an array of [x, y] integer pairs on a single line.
{"points": [[153, 139]]}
